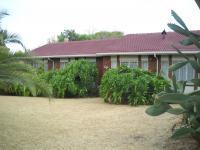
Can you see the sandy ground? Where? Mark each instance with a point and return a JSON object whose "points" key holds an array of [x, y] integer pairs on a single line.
{"points": [[83, 124]]}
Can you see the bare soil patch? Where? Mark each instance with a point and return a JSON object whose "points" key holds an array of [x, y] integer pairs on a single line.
{"points": [[28, 123]]}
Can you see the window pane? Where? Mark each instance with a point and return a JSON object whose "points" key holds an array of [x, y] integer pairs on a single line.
{"points": [[183, 73], [164, 68], [133, 65], [145, 65], [190, 72], [113, 64], [46, 66], [62, 65]]}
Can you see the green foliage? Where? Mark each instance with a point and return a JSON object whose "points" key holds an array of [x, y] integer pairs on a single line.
{"points": [[71, 35], [106, 34], [77, 79], [132, 86], [16, 75], [189, 104]]}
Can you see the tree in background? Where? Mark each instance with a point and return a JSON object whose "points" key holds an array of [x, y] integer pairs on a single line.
{"points": [[71, 35], [106, 34]]}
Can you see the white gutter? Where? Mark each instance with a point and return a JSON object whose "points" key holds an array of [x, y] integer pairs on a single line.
{"points": [[146, 53], [119, 53], [156, 63]]}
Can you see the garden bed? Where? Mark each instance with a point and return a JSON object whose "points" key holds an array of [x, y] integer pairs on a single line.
{"points": [[89, 123]]}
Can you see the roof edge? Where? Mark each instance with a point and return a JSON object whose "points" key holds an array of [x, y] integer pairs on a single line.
{"points": [[119, 53]]}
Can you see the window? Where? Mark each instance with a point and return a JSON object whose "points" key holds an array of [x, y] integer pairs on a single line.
{"points": [[164, 68], [36, 65], [185, 73], [129, 61], [130, 64], [113, 61], [63, 62], [91, 59], [144, 62], [46, 65]]}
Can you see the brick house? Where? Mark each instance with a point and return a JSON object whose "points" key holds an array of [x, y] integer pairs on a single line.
{"points": [[150, 51]]}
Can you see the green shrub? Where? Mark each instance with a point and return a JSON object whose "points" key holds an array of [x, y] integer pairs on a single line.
{"points": [[132, 86], [77, 79], [19, 89]]}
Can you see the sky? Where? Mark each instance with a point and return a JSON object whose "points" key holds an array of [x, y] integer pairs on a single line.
{"points": [[38, 20]]}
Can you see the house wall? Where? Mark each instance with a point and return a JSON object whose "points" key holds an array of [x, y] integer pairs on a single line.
{"points": [[56, 63], [50, 64], [152, 63], [103, 64]]}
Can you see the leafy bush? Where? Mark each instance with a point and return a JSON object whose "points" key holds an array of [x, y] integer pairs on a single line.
{"points": [[19, 89], [77, 79], [132, 86], [189, 104]]}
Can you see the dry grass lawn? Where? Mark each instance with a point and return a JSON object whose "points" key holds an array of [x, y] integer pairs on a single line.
{"points": [[83, 124]]}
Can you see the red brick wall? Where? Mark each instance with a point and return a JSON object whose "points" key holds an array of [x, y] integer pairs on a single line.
{"points": [[106, 63], [103, 64], [99, 64], [152, 63]]}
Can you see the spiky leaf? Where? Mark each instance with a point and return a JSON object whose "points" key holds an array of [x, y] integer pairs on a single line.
{"points": [[176, 111], [197, 92], [182, 132], [157, 109], [180, 53], [174, 98], [179, 20], [198, 3], [178, 29], [181, 85], [174, 83], [196, 81], [186, 42], [195, 65], [177, 66]]}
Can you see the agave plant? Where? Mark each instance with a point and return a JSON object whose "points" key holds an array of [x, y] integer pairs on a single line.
{"points": [[189, 103]]}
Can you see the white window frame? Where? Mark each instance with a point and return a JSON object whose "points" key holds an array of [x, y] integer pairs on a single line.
{"points": [[129, 60]]}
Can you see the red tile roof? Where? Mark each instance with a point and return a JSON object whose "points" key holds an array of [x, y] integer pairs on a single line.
{"points": [[146, 42]]}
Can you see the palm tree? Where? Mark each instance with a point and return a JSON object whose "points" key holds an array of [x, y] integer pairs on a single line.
{"points": [[15, 70], [198, 3], [10, 38], [7, 37], [2, 15]]}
